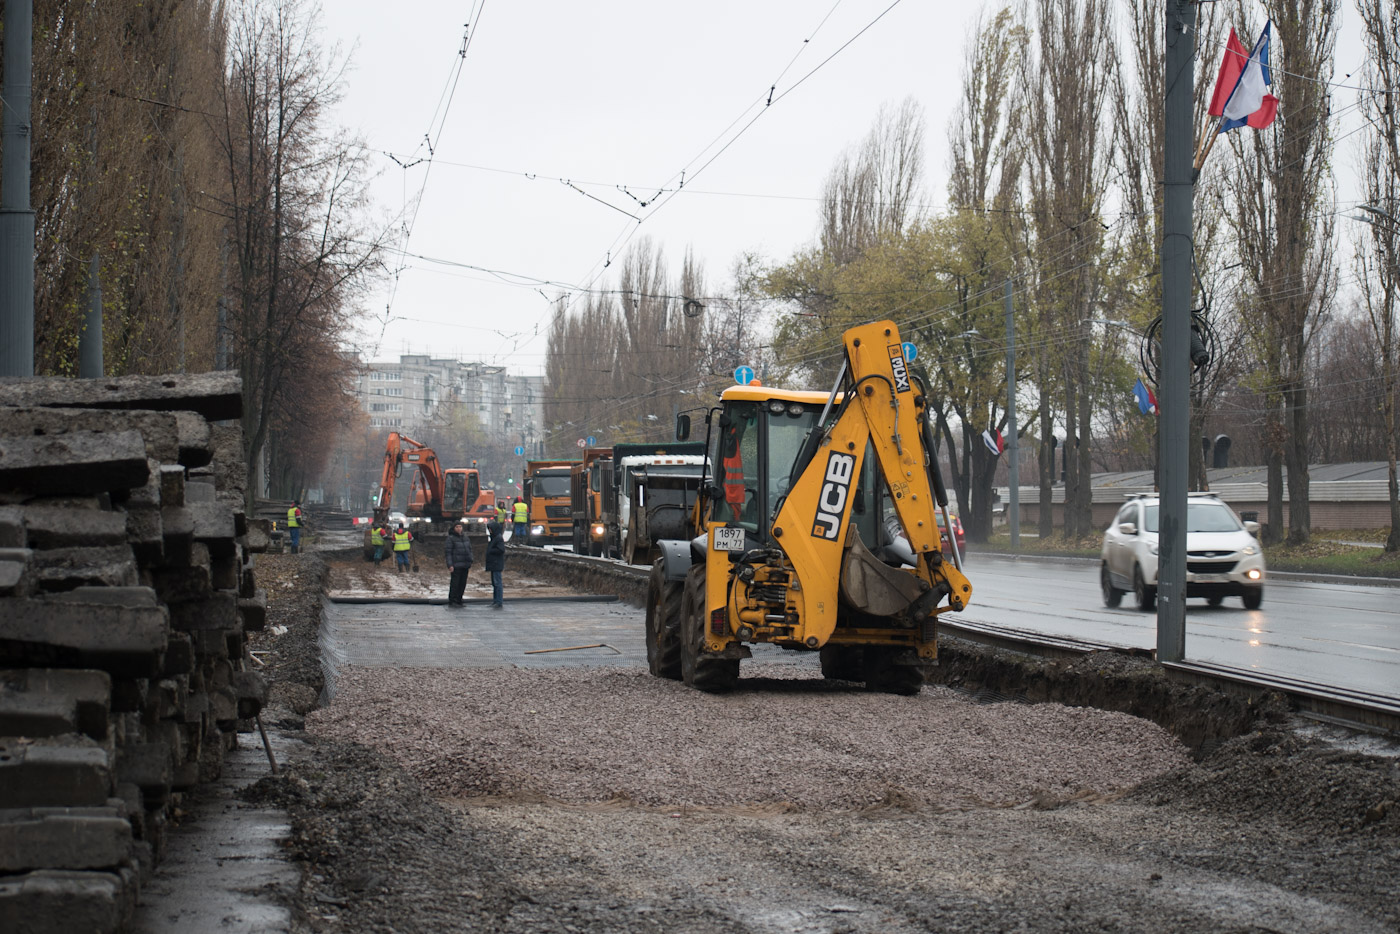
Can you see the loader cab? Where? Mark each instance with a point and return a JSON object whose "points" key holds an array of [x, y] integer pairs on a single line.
{"points": [[755, 437]]}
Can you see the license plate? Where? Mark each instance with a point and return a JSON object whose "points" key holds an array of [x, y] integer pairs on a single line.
{"points": [[1210, 578], [729, 539]]}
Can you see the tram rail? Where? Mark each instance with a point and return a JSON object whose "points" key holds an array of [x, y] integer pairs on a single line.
{"points": [[1328, 703]]}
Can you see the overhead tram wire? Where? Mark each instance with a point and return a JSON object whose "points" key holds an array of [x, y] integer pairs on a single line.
{"points": [[627, 233], [442, 110]]}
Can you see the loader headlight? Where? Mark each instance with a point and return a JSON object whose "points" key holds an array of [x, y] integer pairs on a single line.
{"points": [[795, 409], [777, 406], [598, 531]]}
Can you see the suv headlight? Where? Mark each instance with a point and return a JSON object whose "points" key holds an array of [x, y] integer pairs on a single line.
{"points": [[1249, 550]]}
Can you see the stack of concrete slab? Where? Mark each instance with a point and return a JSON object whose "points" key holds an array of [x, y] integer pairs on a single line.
{"points": [[126, 590]]}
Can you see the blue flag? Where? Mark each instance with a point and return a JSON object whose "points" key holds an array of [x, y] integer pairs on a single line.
{"points": [[1147, 402]]}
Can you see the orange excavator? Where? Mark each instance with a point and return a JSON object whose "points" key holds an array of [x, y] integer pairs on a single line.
{"points": [[437, 494]]}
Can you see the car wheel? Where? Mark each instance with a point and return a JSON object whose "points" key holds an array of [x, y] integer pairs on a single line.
{"points": [[1253, 598], [1146, 596], [1215, 601], [1112, 596]]}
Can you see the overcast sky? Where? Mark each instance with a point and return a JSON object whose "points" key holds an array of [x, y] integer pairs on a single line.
{"points": [[614, 94]]}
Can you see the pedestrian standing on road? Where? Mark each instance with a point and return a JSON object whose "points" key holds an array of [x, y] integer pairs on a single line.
{"points": [[378, 534], [294, 524], [459, 562], [502, 512], [403, 541], [496, 560], [522, 518]]}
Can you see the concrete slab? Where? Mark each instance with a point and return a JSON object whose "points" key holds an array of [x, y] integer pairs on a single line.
{"points": [[223, 869]]}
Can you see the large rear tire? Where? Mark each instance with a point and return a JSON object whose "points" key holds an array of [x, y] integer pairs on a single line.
{"points": [[664, 607], [711, 675], [842, 663], [884, 673]]}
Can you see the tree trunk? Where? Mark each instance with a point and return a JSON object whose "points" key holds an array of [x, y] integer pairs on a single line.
{"points": [[1047, 468], [1296, 459]]}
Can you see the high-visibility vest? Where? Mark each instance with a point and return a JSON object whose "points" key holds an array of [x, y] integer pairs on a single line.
{"points": [[293, 517], [522, 513], [401, 539], [502, 514], [376, 535], [734, 491]]}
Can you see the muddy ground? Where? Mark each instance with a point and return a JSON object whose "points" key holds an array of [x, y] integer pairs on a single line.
{"points": [[1261, 823]]}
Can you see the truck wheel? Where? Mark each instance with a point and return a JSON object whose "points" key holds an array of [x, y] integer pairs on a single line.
{"points": [[841, 663], [884, 673], [711, 675], [664, 599]]}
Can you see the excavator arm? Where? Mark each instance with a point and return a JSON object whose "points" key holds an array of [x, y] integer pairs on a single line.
{"points": [[880, 411], [426, 494]]}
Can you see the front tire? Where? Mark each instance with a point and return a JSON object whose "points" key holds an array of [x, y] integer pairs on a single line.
{"points": [[1112, 596], [1146, 596], [702, 672], [1253, 598], [664, 608], [883, 672]]}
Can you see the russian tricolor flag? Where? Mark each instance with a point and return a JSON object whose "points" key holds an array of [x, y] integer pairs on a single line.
{"points": [[1241, 95], [1147, 402]]}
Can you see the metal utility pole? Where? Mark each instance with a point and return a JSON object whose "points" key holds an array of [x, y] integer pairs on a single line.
{"points": [[1013, 467], [1175, 376], [90, 340], [16, 218]]}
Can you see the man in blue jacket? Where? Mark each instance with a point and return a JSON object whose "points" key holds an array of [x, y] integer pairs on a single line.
{"points": [[495, 560]]}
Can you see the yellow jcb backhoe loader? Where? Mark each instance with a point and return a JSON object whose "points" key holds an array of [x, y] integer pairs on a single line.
{"points": [[816, 531]]}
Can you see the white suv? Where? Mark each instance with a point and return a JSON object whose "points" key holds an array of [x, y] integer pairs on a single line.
{"points": [[1223, 557]]}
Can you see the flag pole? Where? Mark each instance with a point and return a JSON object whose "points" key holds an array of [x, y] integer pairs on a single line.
{"points": [[1205, 154]]}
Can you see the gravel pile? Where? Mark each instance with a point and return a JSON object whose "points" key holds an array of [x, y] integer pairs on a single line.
{"points": [[785, 738]]}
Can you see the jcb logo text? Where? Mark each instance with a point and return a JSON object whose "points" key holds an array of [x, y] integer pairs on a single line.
{"points": [[832, 502], [901, 369]]}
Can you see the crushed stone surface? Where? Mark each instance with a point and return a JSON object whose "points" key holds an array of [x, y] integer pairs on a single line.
{"points": [[583, 734], [603, 800]]}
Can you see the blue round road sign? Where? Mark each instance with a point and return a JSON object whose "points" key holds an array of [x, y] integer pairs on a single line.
{"points": [[519, 451], [910, 351], [743, 375], [592, 441]]}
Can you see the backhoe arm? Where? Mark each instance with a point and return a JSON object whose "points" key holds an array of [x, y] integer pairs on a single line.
{"points": [[881, 409]]}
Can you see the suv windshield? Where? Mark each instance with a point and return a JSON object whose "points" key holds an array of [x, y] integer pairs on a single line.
{"points": [[1200, 517]]}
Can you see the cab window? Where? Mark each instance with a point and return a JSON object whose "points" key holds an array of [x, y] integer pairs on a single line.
{"points": [[738, 465]]}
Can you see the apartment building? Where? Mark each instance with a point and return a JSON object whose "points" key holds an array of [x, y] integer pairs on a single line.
{"points": [[419, 389]]}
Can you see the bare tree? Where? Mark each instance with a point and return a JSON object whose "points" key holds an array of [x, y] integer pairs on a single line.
{"points": [[295, 194], [1284, 228], [1069, 158], [119, 139], [985, 167], [1378, 253], [621, 364]]}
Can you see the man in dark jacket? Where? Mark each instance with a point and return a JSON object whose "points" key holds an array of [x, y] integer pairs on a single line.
{"points": [[495, 560], [459, 562]]}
